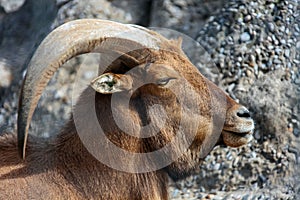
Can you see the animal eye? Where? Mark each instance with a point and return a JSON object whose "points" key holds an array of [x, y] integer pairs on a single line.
{"points": [[164, 81]]}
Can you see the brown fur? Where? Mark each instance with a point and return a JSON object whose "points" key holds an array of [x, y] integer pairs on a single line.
{"points": [[63, 168]]}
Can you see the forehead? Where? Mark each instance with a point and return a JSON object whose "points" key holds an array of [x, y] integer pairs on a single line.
{"points": [[154, 67], [160, 69]]}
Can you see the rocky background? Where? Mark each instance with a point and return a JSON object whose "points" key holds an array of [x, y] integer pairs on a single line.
{"points": [[254, 55]]}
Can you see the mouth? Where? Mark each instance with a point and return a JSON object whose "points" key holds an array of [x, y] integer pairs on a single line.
{"points": [[239, 134], [236, 139]]}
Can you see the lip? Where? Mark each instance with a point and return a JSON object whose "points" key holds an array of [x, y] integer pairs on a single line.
{"points": [[236, 139], [238, 134]]}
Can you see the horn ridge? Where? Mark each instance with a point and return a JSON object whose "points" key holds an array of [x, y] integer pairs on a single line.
{"points": [[65, 42]]}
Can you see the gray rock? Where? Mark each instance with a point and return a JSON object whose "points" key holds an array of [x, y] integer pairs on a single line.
{"points": [[1, 120], [296, 132], [11, 5], [247, 18], [5, 75], [217, 166], [121, 11], [245, 37], [271, 26], [287, 52], [184, 16]]}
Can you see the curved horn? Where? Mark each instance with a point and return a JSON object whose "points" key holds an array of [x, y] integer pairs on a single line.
{"points": [[69, 40]]}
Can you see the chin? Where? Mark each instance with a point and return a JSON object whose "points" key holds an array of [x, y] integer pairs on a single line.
{"points": [[182, 168]]}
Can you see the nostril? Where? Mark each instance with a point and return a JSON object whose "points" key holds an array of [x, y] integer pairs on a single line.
{"points": [[244, 113]]}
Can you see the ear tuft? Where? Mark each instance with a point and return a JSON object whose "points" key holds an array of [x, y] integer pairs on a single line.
{"points": [[109, 83], [179, 42]]}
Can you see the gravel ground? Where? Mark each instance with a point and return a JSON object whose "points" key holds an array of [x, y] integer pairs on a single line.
{"points": [[184, 16], [255, 46], [254, 49]]}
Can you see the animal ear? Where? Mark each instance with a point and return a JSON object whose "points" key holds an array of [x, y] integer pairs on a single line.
{"points": [[109, 83], [179, 42]]}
